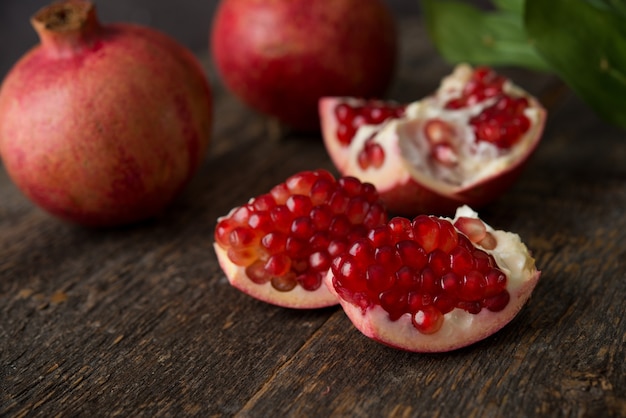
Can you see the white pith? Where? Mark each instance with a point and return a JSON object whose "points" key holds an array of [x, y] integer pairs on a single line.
{"points": [[460, 328]]}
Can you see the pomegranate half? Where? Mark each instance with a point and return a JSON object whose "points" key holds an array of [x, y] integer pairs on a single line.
{"points": [[279, 246], [280, 57], [465, 144], [102, 124], [433, 284]]}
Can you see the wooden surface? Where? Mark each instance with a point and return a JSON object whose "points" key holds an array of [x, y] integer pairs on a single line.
{"points": [[140, 321]]}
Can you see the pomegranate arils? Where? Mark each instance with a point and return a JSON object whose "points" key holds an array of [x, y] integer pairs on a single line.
{"points": [[424, 268], [290, 236], [372, 112]]}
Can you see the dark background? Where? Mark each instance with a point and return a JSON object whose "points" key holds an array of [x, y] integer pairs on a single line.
{"points": [[188, 21]]}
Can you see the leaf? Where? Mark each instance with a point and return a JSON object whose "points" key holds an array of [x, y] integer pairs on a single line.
{"points": [[512, 6], [464, 33], [585, 43]]}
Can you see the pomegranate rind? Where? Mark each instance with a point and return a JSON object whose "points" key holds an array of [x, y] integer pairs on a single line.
{"points": [[408, 190], [459, 328], [297, 298]]}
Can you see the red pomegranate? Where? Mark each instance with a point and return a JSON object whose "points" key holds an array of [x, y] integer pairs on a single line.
{"points": [[102, 124], [465, 144], [433, 284], [281, 56], [279, 246]]}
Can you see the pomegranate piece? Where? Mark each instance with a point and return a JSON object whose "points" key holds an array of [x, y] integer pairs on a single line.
{"points": [[430, 285], [465, 144], [279, 246]]}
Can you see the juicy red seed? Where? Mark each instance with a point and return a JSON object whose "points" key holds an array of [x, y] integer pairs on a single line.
{"points": [[301, 183], [296, 248], [242, 237], [274, 242], [400, 229], [280, 193], [495, 282], [302, 227], [222, 231], [320, 261], [406, 279], [471, 307], [319, 241], [256, 272], [336, 247], [412, 254], [357, 210], [378, 279], [388, 257], [473, 228], [340, 227], [264, 202], [427, 320], [281, 216], [489, 242], [503, 123], [498, 302], [339, 202], [299, 205], [321, 217], [395, 303], [278, 265], [261, 221], [362, 251], [321, 191], [461, 260], [448, 237], [376, 215], [472, 286], [426, 232], [372, 155], [284, 283], [310, 281], [450, 284], [351, 185], [242, 256], [429, 281], [439, 262]]}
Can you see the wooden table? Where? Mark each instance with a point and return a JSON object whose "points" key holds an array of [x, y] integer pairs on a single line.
{"points": [[140, 321]]}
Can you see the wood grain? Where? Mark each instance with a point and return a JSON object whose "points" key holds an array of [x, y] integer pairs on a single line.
{"points": [[140, 321]]}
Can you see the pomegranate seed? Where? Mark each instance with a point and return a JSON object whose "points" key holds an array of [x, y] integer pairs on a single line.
{"points": [[498, 302], [377, 278], [242, 237], [281, 216], [278, 265], [310, 281], [302, 227], [256, 272], [284, 283], [395, 303], [274, 242], [461, 260], [489, 242], [426, 232], [320, 261], [438, 131], [299, 205], [412, 254], [472, 286], [427, 320], [473, 228], [264, 202]]}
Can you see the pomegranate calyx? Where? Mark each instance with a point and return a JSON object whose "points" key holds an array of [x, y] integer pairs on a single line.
{"points": [[67, 26]]}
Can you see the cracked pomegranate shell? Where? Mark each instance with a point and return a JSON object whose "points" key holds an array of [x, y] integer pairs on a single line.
{"points": [[465, 144], [279, 246], [433, 284]]}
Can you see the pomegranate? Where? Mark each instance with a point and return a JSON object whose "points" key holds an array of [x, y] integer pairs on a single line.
{"points": [[281, 56], [433, 284], [279, 246], [465, 144], [102, 124]]}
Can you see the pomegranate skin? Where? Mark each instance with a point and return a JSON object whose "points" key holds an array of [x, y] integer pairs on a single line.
{"points": [[103, 125], [281, 56]]}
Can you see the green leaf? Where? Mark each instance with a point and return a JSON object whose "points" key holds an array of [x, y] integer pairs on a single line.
{"points": [[585, 44], [512, 6], [464, 33]]}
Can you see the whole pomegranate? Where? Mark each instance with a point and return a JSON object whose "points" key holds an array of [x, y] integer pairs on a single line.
{"points": [[465, 144], [102, 124], [281, 56]]}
